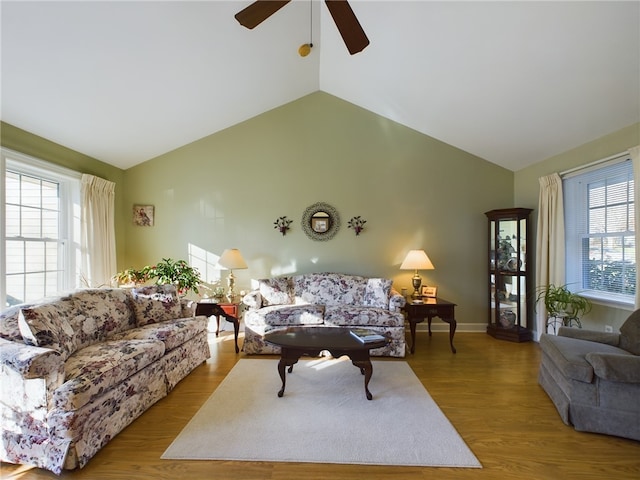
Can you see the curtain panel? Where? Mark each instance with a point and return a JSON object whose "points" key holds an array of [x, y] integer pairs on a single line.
{"points": [[634, 152], [550, 246], [98, 239]]}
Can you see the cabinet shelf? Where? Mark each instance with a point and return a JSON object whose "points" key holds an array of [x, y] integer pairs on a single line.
{"points": [[509, 276]]}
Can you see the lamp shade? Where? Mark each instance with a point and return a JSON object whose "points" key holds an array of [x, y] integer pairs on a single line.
{"points": [[232, 259], [416, 260]]}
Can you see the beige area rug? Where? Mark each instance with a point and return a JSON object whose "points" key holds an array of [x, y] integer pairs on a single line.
{"points": [[323, 417]]}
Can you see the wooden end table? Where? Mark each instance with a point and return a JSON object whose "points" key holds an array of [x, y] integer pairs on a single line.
{"points": [[227, 310], [432, 307]]}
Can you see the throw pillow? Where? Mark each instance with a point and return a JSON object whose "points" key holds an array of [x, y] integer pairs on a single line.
{"points": [[47, 326], [276, 291], [376, 293], [156, 303]]}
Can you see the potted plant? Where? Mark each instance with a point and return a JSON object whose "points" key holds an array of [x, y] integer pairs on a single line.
{"points": [[177, 272], [168, 271], [563, 304], [212, 290], [130, 276]]}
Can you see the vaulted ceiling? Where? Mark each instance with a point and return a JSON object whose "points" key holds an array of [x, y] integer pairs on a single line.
{"points": [[512, 82]]}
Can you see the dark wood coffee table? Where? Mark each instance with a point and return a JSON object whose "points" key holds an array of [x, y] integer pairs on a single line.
{"points": [[298, 341]]}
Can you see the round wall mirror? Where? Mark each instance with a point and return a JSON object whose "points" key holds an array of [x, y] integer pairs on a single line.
{"points": [[320, 221]]}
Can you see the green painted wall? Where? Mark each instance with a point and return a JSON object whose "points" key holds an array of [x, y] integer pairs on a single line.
{"points": [[24, 142], [226, 190], [526, 190]]}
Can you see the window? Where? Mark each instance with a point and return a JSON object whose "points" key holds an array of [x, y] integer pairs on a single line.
{"points": [[40, 228], [600, 231]]}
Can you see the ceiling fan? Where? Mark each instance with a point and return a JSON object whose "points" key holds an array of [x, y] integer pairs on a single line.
{"points": [[352, 33]]}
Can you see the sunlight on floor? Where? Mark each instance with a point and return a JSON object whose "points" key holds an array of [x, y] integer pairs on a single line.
{"points": [[19, 473], [326, 362]]}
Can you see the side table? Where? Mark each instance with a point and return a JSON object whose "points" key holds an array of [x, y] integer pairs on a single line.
{"points": [[432, 307], [227, 310]]}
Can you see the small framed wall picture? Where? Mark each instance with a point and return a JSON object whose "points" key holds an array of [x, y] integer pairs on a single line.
{"points": [[429, 292], [143, 215]]}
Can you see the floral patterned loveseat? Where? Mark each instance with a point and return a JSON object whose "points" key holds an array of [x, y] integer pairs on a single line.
{"points": [[78, 369], [324, 300]]}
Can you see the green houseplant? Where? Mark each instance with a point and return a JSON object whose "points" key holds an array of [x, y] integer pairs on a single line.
{"points": [[561, 303], [177, 272], [168, 271], [130, 276]]}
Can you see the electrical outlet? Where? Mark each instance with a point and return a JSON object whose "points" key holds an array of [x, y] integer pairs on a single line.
{"points": [[608, 328]]}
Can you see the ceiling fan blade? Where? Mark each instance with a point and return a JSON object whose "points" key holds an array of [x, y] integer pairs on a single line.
{"points": [[352, 33], [258, 12]]}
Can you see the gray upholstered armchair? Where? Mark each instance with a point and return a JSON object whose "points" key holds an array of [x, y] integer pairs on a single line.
{"points": [[593, 378]]}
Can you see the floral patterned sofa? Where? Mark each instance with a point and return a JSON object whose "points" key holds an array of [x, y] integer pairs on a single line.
{"points": [[78, 369], [324, 299]]}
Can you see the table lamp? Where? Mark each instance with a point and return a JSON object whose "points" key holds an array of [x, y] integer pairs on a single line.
{"points": [[232, 259], [416, 260]]}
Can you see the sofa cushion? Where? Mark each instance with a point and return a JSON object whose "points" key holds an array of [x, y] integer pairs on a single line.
{"points": [[276, 291], [97, 368], [630, 334], [47, 326], [329, 288], [172, 332], [286, 315], [569, 355], [351, 315], [155, 303], [376, 293], [101, 313]]}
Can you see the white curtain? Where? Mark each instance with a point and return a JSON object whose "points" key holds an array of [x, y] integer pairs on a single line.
{"points": [[98, 239], [550, 267], [635, 158]]}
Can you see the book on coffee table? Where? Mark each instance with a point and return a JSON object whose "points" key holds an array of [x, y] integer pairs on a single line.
{"points": [[366, 336]]}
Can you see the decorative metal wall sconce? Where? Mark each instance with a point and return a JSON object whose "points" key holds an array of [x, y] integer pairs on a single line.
{"points": [[282, 224], [357, 224]]}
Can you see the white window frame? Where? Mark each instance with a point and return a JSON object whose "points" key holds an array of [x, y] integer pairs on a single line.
{"points": [[69, 181], [575, 232]]}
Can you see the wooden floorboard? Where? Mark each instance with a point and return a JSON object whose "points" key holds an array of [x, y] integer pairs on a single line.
{"points": [[488, 390]]}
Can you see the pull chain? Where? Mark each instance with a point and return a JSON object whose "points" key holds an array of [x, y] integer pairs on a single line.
{"points": [[305, 49]]}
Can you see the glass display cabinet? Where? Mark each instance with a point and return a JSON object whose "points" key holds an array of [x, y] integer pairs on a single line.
{"points": [[509, 274]]}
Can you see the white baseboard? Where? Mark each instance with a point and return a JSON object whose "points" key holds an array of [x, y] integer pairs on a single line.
{"points": [[439, 326]]}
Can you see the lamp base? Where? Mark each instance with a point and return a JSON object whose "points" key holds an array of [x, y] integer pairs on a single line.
{"points": [[416, 281], [231, 282]]}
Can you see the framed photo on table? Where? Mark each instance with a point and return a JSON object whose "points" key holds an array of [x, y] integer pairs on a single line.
{"points": [[429, 292]]}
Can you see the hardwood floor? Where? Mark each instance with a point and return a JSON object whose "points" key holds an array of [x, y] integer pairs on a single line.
{"points": [[488, 390]]}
